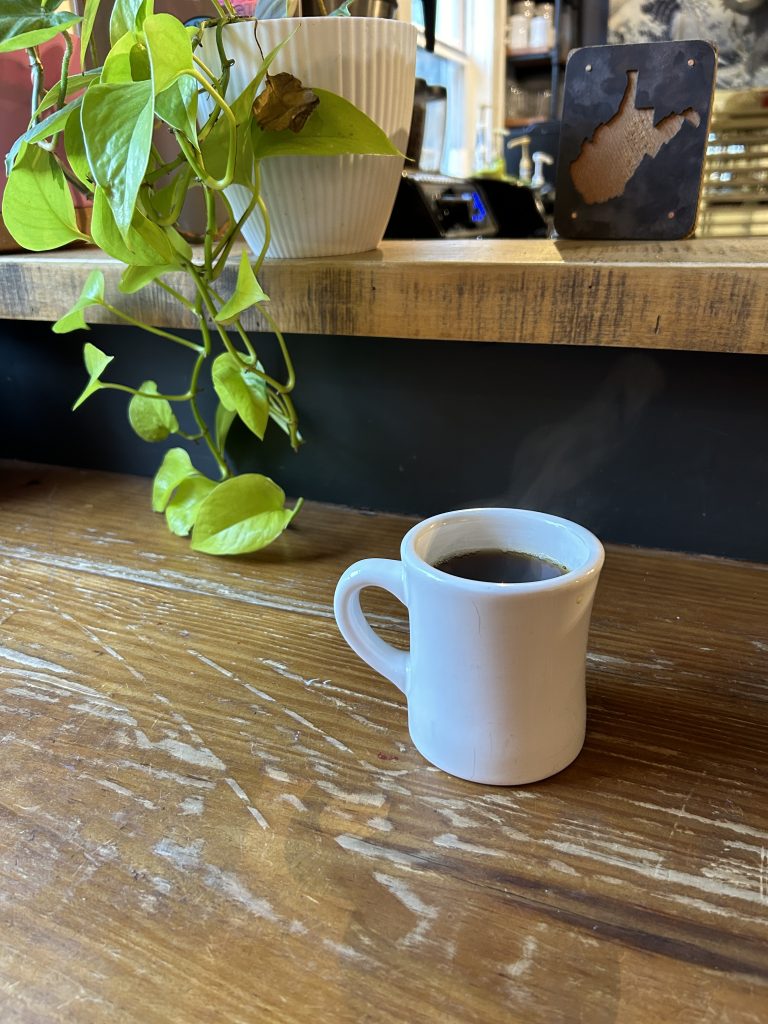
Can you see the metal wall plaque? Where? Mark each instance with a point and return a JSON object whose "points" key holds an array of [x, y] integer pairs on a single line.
{"points": [[633, 139]]}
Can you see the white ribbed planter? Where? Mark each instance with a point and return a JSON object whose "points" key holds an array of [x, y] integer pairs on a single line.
{"points": [[328, 206]]}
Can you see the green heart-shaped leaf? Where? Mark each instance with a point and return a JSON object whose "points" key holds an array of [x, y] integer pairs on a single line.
{"points": [[143, 245], [242, 391], [127, 61], [247, 293], [86, 29], [336, 127], [135, 278], [181, 511], [152, 418], [242, 514], [74, 145], [170, 51], [37, 204], [96, 362], [127, 16], [224, 419], [175, 467], [117, 121], [25, 23], [91, 295], [177, 106]]}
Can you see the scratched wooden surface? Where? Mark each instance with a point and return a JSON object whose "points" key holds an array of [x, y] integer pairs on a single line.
{"points": [[701, 294], [211, 811]]}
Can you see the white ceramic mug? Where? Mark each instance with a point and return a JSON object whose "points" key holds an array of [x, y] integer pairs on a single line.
{"points": [[495, 672]]}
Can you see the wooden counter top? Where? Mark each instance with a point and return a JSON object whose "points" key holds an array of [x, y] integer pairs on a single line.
{"points": [[703, 294], [211, 810]]}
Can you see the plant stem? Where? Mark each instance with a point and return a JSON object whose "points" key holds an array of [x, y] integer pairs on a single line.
{"points": [[176, 295], [204, 67], [224, 248], [160, 172], [73, 180], [227, 5], [224, 469], [221, 462], [181, 186], [264, 217], [221, 84], [64, 70], [210, 230], [291, 381], [36, 67], [39, 81], [285, 412], [189, 152], [250, 349], [152, 330], [280, 392], [106, 385], [206, 298]]}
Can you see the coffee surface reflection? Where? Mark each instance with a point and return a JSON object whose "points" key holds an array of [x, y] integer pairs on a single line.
{"points": [[497, 566]]}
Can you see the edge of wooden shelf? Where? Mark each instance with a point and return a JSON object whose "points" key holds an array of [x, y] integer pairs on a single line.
{"points": [[701, 294]]}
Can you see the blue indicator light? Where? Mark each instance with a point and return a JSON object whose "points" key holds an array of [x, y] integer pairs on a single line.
{"points": [[478, 211]]}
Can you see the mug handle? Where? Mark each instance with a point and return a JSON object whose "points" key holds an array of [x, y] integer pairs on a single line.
{"points": [[381, 656]]}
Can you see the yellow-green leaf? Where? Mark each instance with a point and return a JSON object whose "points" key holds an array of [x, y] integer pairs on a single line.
{"points": [[74, 145], [117, 120], [152, 418], [336, 127], [170, 51], [143, 245], [96, 362], [247, 293], [224, 419], [135, 278], [86, 29], [242, 391], [91, 295], [37, 204], [127, 16], [127, 61], [175, 467], [181, 511], [24, 24], [240, 515]]}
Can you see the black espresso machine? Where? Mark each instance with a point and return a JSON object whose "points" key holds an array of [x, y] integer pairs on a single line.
{"points": [[429, 204], [432, 205]]}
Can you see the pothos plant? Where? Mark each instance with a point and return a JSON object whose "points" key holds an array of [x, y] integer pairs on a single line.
{"points": [[95, 131]]}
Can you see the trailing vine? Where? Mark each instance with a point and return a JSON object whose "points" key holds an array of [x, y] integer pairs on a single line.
{"points": [[95, 130]]}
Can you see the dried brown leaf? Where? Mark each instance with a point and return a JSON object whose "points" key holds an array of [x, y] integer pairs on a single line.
{"points": [[284, 103]]}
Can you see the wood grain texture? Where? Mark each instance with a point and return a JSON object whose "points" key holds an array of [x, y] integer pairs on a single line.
{"points": [[705, 294], [211, 810]]}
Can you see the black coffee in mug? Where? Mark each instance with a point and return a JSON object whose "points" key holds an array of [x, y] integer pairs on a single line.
{"points": [[497, 566]]}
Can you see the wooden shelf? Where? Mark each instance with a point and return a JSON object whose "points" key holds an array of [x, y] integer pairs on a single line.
{"points": [[703, 294], [212, 809]]}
